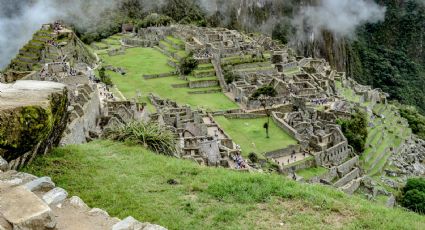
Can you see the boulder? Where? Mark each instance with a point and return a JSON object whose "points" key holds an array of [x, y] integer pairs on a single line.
{"points": [[100, 212], [128, 223], [78, 203], [391, 201], [149, 226], [42, 183], [55, 196], [25, 211], [4, 166]]}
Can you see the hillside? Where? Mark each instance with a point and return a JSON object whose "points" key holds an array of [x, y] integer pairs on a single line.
{"points": [[179, 194]]}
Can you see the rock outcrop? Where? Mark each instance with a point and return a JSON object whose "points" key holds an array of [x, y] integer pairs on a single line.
{"points": [[33, 116]]}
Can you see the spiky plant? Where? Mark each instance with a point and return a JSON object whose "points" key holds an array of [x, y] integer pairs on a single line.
{"points": [[150, 134]]}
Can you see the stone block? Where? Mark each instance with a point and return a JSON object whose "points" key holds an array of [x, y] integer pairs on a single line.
{"points": [[25, 211], [55, 196], [42, 183]]}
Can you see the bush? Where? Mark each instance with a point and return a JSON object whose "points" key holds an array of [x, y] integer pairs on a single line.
{"points": [[229, 77], [413, 196], [253, 157], [150, 135], [188, 64], [105, 78], [355, 130], [155, 20], [415, 119]]}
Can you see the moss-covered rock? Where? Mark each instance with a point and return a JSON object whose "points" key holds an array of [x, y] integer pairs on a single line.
{"points": [[32, 117]]}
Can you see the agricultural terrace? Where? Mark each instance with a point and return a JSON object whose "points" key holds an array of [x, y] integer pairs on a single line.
{"points": [[138, 62]]}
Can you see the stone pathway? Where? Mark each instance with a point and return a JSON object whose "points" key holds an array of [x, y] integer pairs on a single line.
{"points": [[284, 160], [29, 202]]}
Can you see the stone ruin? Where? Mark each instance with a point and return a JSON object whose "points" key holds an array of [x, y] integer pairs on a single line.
{"points": [[198, 136]]}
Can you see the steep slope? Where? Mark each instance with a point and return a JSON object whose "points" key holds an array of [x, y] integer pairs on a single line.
{"points": [[180, 194]]}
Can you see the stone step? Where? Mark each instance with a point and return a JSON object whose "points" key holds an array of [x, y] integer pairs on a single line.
{"points": [[24, 210]]}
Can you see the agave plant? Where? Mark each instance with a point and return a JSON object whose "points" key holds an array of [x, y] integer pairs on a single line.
{"points": [[151, 135]]}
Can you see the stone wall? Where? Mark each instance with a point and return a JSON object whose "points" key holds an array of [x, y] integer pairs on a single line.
{"points": [[347, 178], [85, 119], [203, 84], [285, 126]]}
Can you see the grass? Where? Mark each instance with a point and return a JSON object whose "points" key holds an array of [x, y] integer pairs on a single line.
{"points": [[312, 172], [129, 180], [140, 61], [245, 132]]}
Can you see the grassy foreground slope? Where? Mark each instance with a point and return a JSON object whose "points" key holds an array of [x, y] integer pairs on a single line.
{"points": [[129, 180]]}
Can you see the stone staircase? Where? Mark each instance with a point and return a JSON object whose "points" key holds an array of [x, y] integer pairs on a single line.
{"points": [[29, 202]]}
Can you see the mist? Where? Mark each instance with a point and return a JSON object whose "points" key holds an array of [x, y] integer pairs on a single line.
{"points": [[19, 20], [340, 17]]}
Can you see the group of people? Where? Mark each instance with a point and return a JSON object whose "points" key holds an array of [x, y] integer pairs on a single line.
{"points": [[320, 101], [240, 163]]}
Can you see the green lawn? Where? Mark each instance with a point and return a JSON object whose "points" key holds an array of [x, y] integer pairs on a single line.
{"points": [[129, 180], [245, 132], [140, 61]]}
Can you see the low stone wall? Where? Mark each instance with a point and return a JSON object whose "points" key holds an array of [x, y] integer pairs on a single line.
{"points": [[307, 163], [244, 115], [347, 178], [182, 85], [153, 76], [203, 84], [206, 91]]}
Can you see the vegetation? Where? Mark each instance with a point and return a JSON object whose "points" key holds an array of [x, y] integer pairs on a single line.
{"points": [[248, 134], [150, 135], [134, 182], [415, 119], [355, 130], [105, 78], [188, 64], [155, 20], [413, 196]]}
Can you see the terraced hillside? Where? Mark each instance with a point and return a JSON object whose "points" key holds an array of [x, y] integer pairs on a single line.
{"points": [[153, 70], [49, 46], [387, 133]]}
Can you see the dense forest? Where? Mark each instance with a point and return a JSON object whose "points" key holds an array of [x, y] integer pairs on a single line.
{"points": [[387, 55]]}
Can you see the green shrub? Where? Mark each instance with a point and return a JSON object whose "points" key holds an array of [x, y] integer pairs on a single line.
{"points": [[105, 78], [355, 130], [253, 157], [415, 119], [188, 64], [413, 196], [415, 183], [151, 135]]}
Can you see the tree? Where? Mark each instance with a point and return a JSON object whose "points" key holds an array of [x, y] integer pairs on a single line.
{"points": [[355, 130], [104, 78], [413, 196], [188, 64], [264, 95]]}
